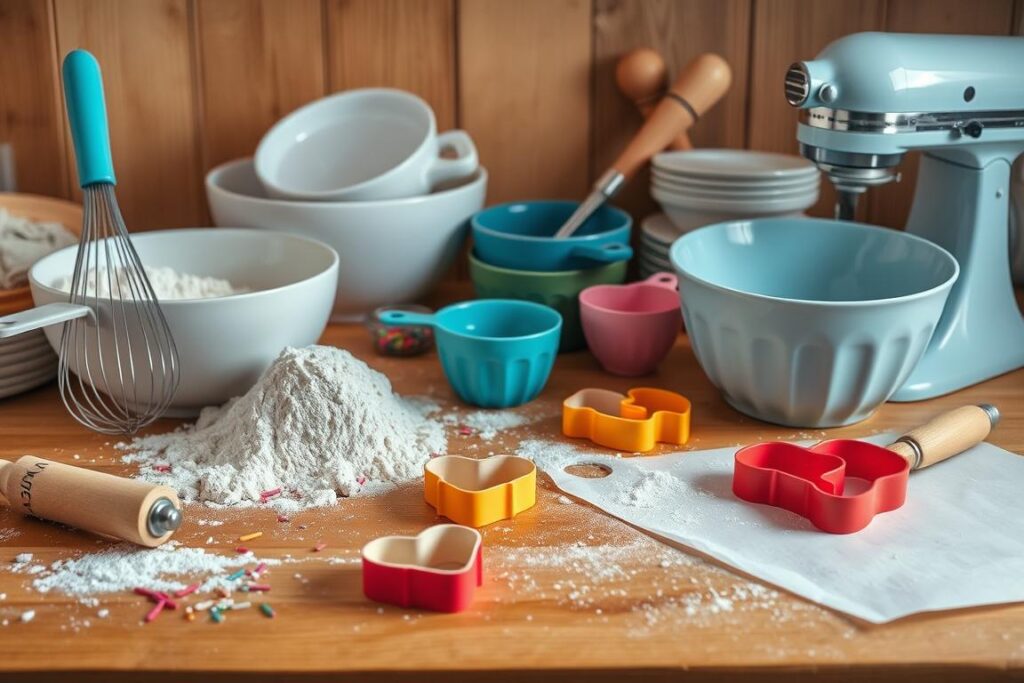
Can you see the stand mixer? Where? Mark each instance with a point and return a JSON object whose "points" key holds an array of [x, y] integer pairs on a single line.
{"points": [[870, 98]]}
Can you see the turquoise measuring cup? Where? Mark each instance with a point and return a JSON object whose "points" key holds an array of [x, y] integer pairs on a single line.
{"points": [[496, 353]]}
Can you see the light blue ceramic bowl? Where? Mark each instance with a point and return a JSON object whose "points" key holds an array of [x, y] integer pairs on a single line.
{"points": [[519, 235], [809, 322], [496, 353]]}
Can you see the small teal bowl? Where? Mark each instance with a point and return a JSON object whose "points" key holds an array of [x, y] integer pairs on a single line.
{"points": [[496, 353], [519, 235]]}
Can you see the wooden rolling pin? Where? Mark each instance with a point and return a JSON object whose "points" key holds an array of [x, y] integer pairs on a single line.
{"points": [[128, 509], [700, 85], [643, 78], [946, 435]]}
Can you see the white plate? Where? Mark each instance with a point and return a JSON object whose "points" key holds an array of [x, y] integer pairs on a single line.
{"points": [[23, 341], [733, 183], [734, 163], [742, 194], [739, 207], [16, 371], [658, 228], [8, 358], [647, 244], [655, 260], [40, 375], [26, 385], [720, 210]]}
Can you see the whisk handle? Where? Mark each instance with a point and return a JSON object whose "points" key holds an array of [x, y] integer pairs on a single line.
{"points": [[40, 317], [87, 115]]}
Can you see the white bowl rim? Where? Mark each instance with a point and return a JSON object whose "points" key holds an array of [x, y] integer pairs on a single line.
{"points": [[816, 303], [175, 303], [479, 177], [327, 102]]}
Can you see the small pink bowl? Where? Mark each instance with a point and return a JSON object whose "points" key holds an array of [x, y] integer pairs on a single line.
{"points": [[631, 328]]}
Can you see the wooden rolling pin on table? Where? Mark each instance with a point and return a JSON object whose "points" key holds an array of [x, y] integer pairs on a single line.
{"points": [[129, 509]]}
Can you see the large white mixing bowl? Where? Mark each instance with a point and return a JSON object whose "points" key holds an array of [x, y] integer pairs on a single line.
{"points": [[392, 251], [224, 344]]}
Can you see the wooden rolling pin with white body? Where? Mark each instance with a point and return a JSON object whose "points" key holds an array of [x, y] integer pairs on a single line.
{"points": [[128, 509]]}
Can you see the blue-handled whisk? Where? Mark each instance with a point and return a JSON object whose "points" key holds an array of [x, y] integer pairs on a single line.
{"points": [[119, 367]]}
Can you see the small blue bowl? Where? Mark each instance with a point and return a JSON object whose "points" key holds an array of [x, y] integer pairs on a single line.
{"points": [[496, 353], [519, 235]]}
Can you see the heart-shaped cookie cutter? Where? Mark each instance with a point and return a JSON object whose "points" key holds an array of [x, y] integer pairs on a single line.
{"points": [[813, 482], [480, 491], [634, 422], [439, 569]]}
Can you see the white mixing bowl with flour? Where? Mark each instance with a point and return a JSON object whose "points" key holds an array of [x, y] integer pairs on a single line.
{"points": [[224, 343]]}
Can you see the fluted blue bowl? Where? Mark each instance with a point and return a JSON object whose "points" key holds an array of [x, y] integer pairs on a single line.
{"points": [[809, 322]]}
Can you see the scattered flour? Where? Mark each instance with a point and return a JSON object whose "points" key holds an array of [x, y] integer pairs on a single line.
{"points": [[653, 487], [166, 568], [489, 423], [22, 558], [28, 615], [23, 242], [168, 284], [318, 423]]}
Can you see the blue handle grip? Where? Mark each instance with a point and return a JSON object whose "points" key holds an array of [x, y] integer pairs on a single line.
{"points": [[87, 115], [606, 253], [400, 318]]}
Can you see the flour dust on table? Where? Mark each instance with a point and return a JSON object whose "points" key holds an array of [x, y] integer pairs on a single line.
{"points": [[319, 423]]}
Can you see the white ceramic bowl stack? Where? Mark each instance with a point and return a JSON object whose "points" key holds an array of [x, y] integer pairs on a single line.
{"points": [[704, 186], [364, 171]]}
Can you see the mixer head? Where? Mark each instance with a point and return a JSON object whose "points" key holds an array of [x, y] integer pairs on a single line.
{"points": [[870, 97]]}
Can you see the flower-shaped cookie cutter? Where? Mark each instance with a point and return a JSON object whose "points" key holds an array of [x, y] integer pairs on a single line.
{"points": [[480, 491], [439, 569], [634, 422]]}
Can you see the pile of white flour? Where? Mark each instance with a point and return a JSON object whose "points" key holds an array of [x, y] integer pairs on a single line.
{"points": [[319, 423], [168, 284]]}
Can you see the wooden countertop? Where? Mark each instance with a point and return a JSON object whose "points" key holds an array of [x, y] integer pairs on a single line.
{"points": [[568, 591]]}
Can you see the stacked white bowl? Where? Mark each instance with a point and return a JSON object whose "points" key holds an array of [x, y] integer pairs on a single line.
{"points": [[704, 186], [366, 172]]}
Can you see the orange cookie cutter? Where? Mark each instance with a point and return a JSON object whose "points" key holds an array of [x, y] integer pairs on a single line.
{"points": [[634, 422], [480, 491]]}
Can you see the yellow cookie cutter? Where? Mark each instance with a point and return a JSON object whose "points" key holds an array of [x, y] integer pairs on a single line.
{"points": [[633, 423], [480, 491]]}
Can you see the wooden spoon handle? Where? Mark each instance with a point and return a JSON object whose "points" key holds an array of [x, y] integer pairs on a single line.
{"points": [[700, 85], [947, 435]]}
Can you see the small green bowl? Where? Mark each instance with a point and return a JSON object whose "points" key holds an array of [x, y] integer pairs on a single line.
{"points": [[560, 290]]}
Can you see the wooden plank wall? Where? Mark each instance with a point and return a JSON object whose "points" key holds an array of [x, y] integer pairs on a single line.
{"points": [[192, 83]]}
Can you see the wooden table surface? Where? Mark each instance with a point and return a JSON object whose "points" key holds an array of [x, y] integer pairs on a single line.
{"points": [[569, 592]]}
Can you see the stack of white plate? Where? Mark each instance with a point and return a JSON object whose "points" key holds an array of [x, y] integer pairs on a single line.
{"points": [[656, 237], [703, 186], [26, 362]]}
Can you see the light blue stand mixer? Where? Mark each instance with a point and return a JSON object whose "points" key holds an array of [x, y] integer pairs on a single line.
{"points": [[870, 98]]}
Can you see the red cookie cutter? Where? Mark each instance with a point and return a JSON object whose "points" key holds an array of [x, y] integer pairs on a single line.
{"points": [[439, 569], [813, 482]]}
